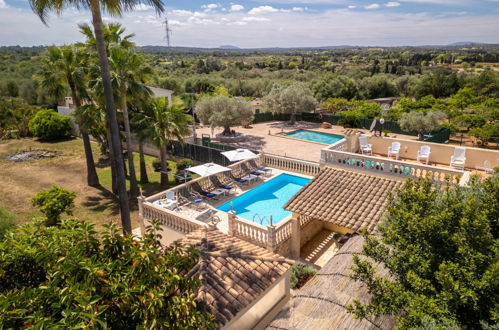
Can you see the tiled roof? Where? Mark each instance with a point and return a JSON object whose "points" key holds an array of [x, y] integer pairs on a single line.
{"points": [[321, 304], [233, 272], [349, 199]]}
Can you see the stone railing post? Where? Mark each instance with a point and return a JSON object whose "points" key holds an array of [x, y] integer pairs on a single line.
{"points": [[271, 238], [232, 218], [141, 199], [295, 236]]}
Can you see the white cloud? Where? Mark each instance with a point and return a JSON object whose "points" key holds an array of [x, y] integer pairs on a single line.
{"points": [[3, 4], [181, 12], [372, 6], [297, 9], [256, 19], [236, 8], [138, 7], [210, 7], [352, 7], [392, 4], [262, 10], [315, 28]]}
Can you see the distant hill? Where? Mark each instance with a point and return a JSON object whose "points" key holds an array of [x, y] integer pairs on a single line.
{"points": [[228, 47], [466, 43]]}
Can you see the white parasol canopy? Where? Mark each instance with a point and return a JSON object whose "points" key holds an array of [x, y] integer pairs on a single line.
{"points": [[239, 154], [208, 169]]}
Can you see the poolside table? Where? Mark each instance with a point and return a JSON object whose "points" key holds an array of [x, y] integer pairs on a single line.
{"points": [[250, 177], [218, 192]]}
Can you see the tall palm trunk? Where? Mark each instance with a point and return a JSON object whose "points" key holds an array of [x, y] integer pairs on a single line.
{"points": [[111, 116], [164, 167], [92, 178], [134, 187], [143, 170], [114, 180]]}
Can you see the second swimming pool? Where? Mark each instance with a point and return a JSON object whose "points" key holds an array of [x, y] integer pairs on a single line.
{"points": [[313, 136], [267, 199]]}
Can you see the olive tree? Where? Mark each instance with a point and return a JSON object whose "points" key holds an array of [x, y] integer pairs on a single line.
{"points": [[291, 100], [223, 111], [419, 121]]}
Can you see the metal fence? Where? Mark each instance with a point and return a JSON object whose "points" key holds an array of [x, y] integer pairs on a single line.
{"points": [[198, 153]]}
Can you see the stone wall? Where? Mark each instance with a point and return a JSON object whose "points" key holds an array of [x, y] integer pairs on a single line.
{"points": [[308, 231]]}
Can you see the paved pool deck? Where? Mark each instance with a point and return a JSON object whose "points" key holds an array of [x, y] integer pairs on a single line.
{"points": [[266, 137]]}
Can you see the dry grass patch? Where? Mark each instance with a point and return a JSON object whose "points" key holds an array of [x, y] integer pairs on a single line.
{"points": [[22, 180]]}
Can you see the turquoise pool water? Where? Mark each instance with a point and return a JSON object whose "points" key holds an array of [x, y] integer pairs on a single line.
{"points": [[267, 199], [320, 137]]}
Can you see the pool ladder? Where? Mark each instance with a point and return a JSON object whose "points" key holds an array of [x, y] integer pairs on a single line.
{"points": [[261, 218]]}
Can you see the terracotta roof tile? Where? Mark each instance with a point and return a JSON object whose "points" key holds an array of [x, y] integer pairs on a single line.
{"points": [[233, 272], [349, 199]]}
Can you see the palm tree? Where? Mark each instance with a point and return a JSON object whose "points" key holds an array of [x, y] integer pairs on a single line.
{"points": [[42, 8], [128, 73], [61, 67], [168, 122]]}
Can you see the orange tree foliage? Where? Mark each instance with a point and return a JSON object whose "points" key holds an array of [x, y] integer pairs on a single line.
{"points": [[69, 277]]}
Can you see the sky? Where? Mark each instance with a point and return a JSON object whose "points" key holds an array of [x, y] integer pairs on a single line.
{"points": [[272, 23]]}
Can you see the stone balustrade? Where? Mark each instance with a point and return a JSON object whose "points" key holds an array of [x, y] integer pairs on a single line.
{"points": [[390, 166], [249, 231], [291, 164], [170, 218], [283, 231]]}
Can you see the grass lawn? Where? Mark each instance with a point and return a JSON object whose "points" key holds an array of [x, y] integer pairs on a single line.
{"points": [[21, 181]]}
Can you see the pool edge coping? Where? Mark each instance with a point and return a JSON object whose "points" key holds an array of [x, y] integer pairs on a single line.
{"points": [[311, 130]]}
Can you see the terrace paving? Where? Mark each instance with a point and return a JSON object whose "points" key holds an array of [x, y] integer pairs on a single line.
{"points": [[260, 139]]}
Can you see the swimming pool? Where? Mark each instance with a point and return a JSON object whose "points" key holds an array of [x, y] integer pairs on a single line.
{"points": [[319, 137], [267, 199]]}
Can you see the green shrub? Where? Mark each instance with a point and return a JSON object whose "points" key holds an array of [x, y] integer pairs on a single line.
{"points": [[71, 277], [54, 202], [7, 221], [184, 163], [348, 119], [49, 125], [300, 274], [156, 164]]}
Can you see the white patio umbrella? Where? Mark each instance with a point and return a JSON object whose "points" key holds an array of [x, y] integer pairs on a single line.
{"points": [[239, 154], [208, 169]]}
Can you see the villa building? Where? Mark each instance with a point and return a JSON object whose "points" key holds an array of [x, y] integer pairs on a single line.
{"points": [[295, 207]]}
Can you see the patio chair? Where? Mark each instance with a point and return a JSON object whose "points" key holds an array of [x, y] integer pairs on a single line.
{"points": [[424, 153], [248, 170], [216, 181], [188, 196], [197, 189], [237, 179], [394, 149], [458, 159], [486, 167], [365, 148], [257, 167]]}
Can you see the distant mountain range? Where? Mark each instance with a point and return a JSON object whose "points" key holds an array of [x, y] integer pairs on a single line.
{"points": [[228, 47], [236, 49]]}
